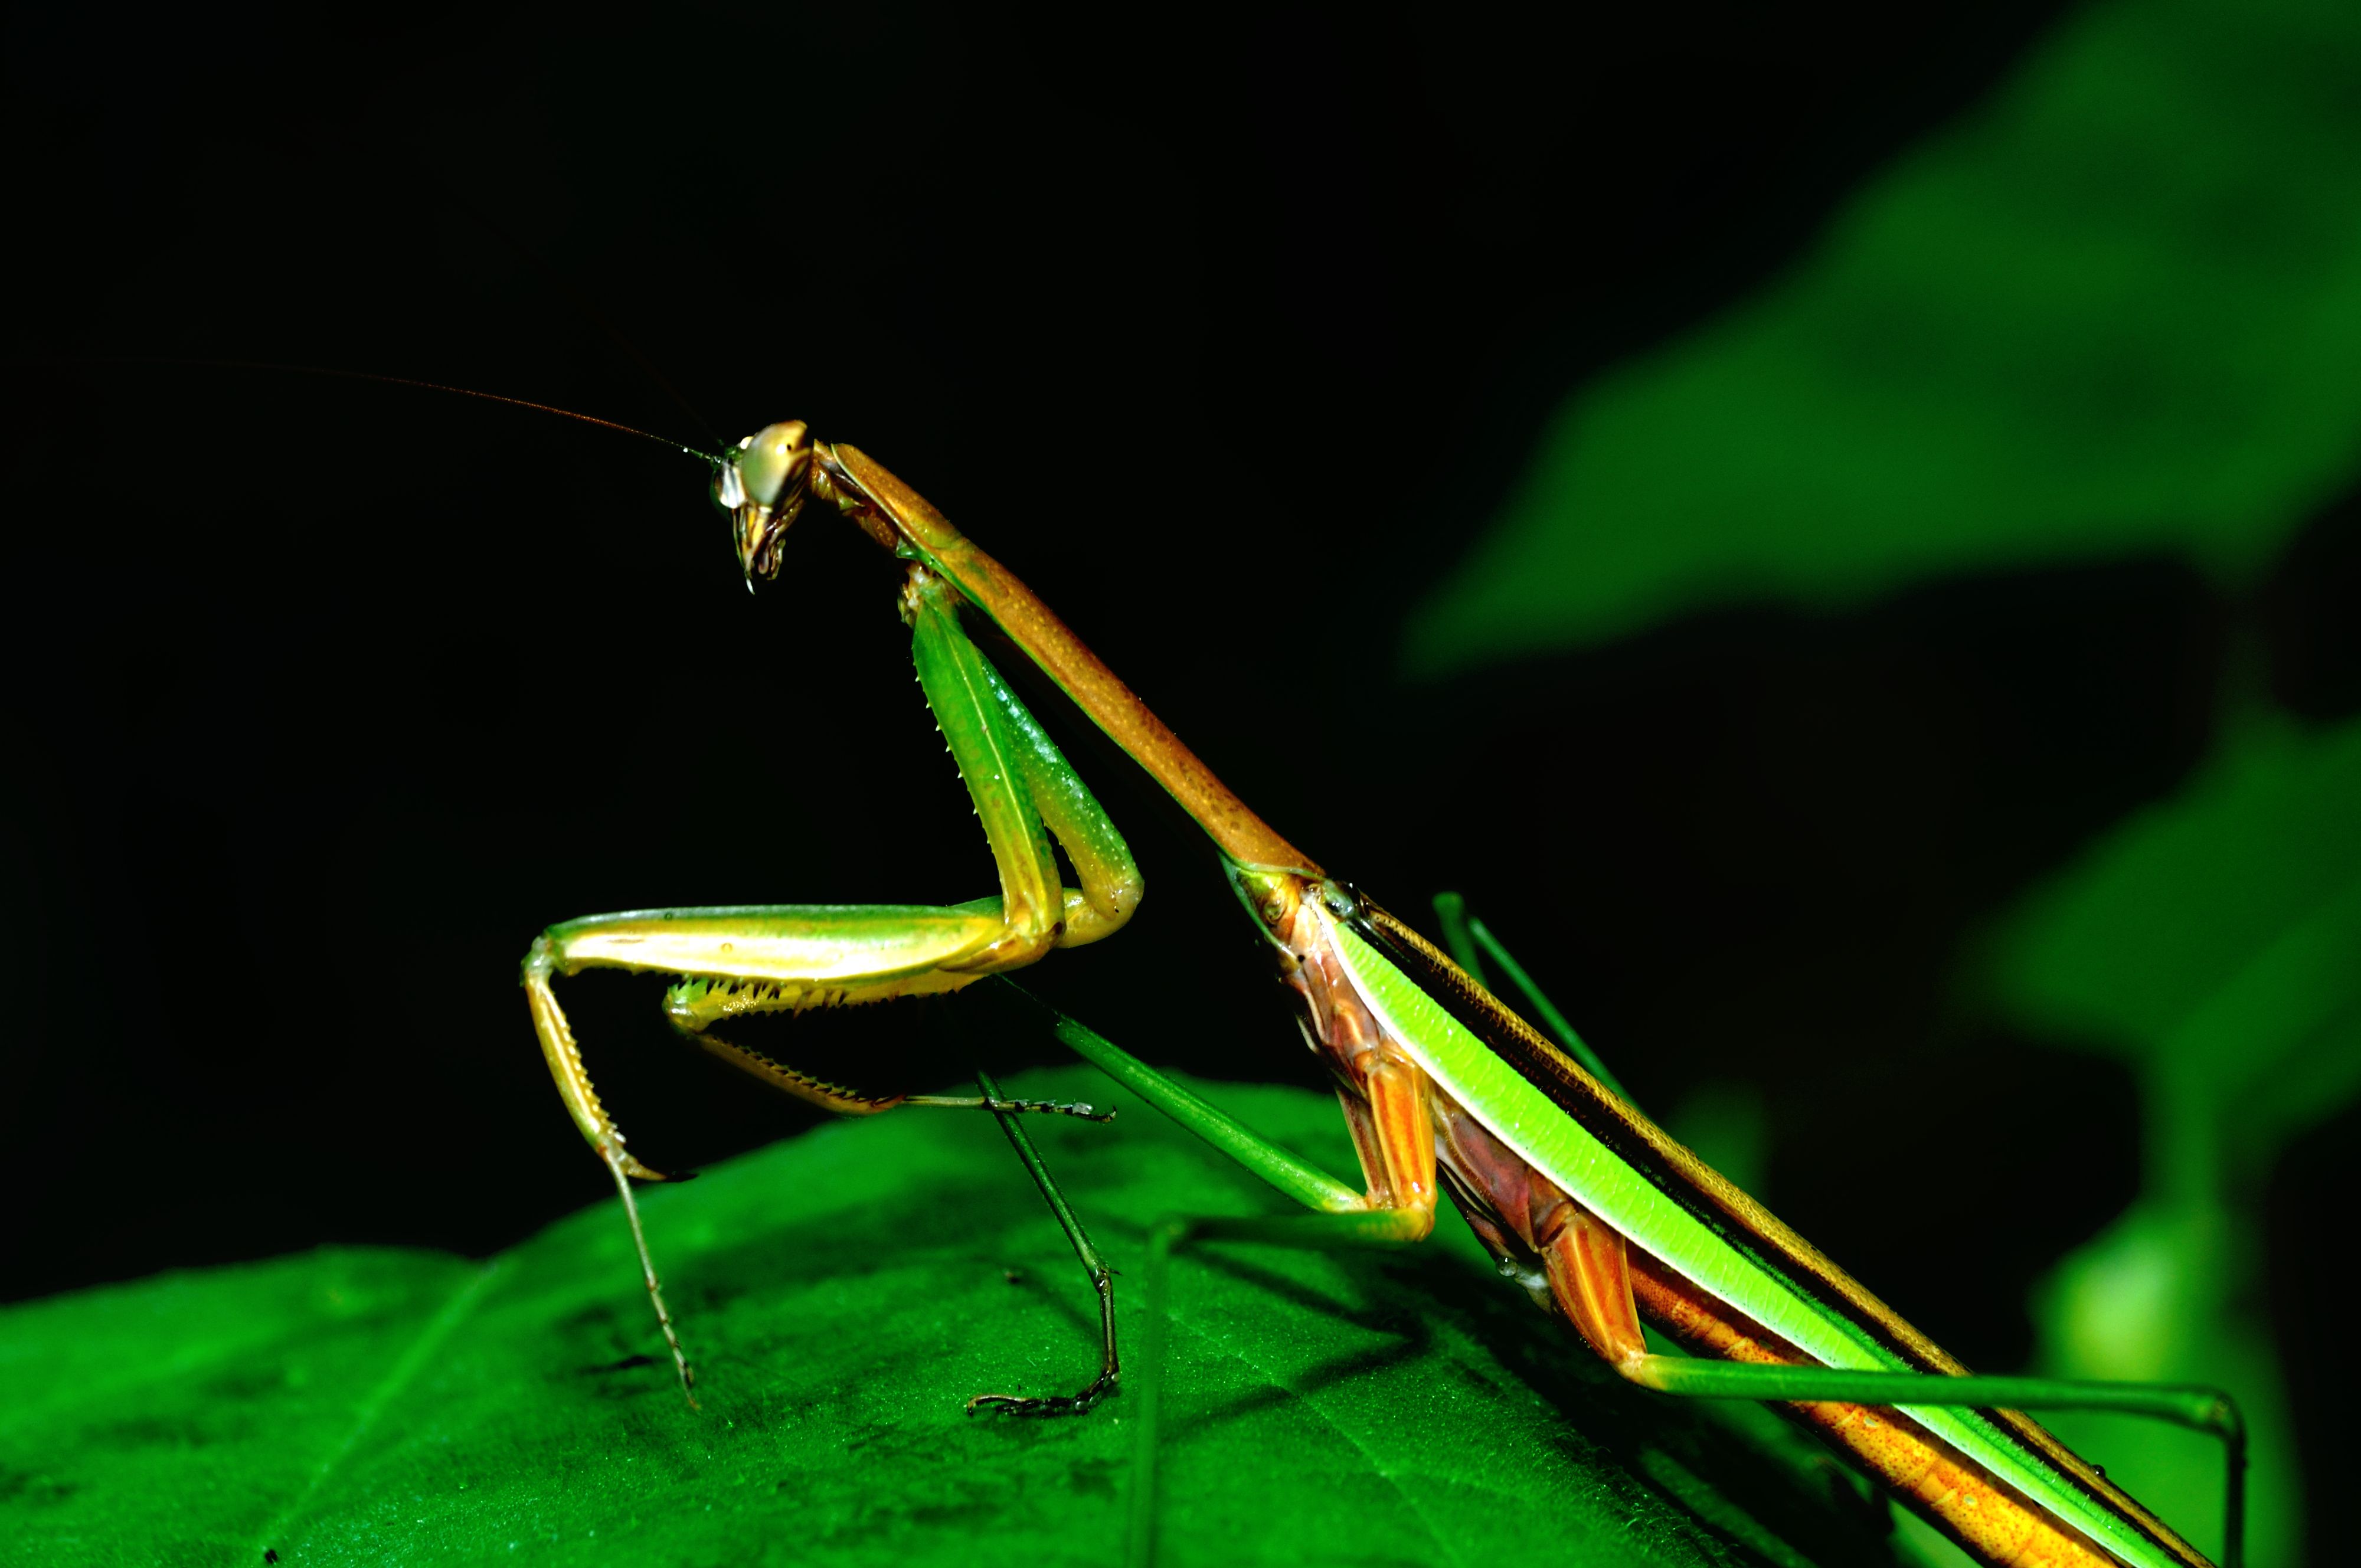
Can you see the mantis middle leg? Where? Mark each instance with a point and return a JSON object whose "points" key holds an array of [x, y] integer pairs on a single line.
{"points": [[1386, 1109]]}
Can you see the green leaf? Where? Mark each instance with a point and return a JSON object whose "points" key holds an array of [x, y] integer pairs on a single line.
{"points": [[2215, 941], [842, 1294], [2114, 310]]}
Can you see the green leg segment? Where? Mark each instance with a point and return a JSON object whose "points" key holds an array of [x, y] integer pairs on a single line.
{"points": [[1305, 1182], [1342, 1218], [2199, 1409], [1101, 1276], [1325, 1233], [1466, 938]]}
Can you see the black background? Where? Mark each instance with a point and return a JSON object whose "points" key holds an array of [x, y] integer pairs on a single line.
{"points": [[327, 696]]}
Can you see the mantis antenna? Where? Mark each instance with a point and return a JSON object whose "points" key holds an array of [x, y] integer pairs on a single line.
{"points": [[618, 425]]}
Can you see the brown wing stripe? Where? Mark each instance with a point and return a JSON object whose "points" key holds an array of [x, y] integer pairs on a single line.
{"points": [[1705, 1192]]}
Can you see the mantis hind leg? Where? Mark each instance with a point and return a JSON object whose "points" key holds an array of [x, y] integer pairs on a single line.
{"points": [[1602, 1285]]}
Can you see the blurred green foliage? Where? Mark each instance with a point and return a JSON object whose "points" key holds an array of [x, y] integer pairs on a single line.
{"points": [[2213, 943], [2116, 309], [843, 1292]]}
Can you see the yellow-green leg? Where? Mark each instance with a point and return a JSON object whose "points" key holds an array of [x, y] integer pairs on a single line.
{"points": [[786, 958]]}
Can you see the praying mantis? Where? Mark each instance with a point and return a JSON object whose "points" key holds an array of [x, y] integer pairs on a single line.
{"points": [[1579, 1198]]}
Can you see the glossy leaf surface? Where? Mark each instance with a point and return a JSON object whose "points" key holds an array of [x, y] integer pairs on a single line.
{"points": [[843, 1293]]}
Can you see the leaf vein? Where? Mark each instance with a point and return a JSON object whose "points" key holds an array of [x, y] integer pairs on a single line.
{"points": [[365, 1416], [1276, 1380]]}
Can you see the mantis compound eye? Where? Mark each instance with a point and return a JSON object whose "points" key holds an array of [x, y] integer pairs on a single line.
{"points": [[761, 487]]}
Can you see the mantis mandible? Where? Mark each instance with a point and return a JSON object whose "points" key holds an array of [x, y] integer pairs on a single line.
{"points": [[1582, 1200]]}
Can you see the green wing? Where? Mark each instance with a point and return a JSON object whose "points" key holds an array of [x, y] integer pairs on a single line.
{"points": [[1554, 1143]]}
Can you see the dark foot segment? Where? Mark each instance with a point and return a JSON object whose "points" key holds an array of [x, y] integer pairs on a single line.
{"points": [[1082, 1108], [1045, 1404]]}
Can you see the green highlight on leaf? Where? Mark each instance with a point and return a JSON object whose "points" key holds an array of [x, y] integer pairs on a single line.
{"points": [[842, 1294], [2216, 940], [2114, 310]]}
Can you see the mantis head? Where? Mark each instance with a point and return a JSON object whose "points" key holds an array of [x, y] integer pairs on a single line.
{"points": [[761, 484]]}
